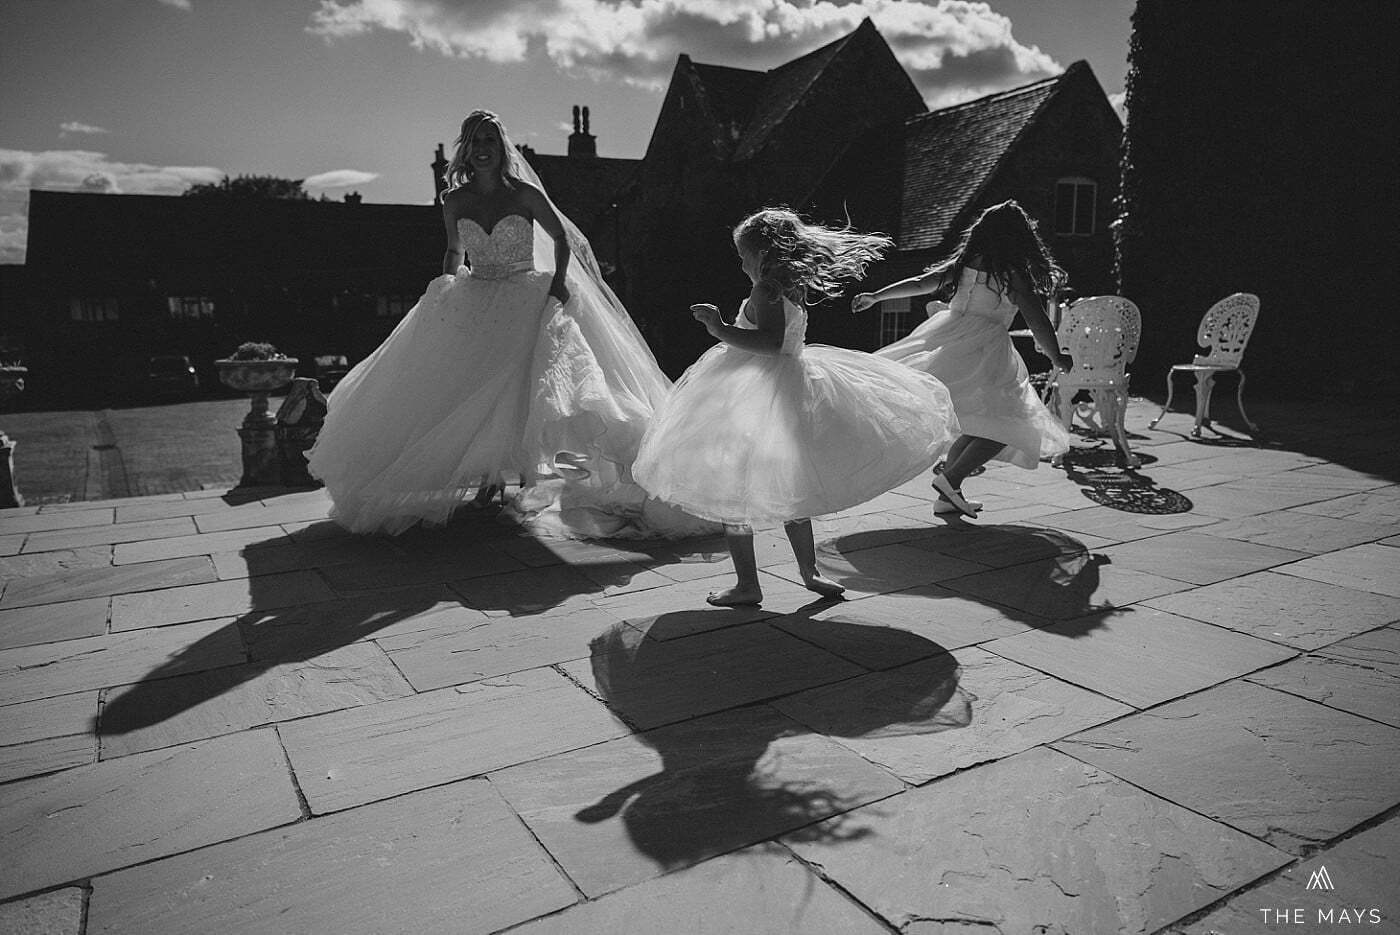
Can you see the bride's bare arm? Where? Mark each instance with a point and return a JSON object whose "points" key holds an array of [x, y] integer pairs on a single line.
{"points": [[543, 212], [454, 255]]}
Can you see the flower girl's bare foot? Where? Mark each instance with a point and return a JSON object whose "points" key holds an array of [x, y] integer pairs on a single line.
{"points": [[735, 597], [823, 586]]}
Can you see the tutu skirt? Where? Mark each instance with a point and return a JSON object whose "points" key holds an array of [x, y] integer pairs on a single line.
{"points": [[973, 356], [748, 439]]}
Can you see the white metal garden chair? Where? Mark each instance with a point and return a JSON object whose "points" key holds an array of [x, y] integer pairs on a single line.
{"points": [[1101, 335], [1224, 331]]}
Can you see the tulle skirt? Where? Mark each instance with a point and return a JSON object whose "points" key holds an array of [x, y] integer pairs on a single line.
{"points": [[973, 356], [494, 378], [748, 439]]}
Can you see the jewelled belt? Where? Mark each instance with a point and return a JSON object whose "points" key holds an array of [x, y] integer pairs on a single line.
{"points": [[500, 270]]}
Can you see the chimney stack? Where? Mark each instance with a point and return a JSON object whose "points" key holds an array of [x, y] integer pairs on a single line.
{"points": [[439, 168], [582, 144]]}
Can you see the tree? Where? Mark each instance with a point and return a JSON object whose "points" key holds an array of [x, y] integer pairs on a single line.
{"points": [[250, 187]]}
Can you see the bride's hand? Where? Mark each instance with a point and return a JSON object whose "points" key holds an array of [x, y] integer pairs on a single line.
{"points": [[861, 302], [559, 291]]}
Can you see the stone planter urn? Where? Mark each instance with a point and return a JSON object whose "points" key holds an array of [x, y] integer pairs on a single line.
{"points": [[258, 378]]}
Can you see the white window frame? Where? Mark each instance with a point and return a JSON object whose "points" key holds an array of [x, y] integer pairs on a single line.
{"points": [[896, 320], [1078, 185], [86, 308], [189, 307]]}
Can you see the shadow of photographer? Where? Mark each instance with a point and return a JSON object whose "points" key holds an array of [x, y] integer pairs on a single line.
{"points": [[736, 771]]}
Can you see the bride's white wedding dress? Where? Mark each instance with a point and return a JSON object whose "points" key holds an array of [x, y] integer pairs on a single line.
{"points": [[490, 376]]}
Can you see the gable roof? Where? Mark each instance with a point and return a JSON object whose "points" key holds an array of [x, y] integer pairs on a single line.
{"points": [[951, 154], [728, 95]]}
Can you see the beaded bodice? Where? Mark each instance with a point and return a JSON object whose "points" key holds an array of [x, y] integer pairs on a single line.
{"points": [[507, 248]]}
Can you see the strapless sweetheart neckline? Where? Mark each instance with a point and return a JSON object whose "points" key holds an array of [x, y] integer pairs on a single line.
{"points": [[499, 221]]}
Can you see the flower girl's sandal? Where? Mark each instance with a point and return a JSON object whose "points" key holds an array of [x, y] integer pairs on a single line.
{"points": [[946, 506], [951, 494]]}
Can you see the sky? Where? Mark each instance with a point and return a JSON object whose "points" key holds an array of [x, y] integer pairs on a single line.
{"points": [[151, 96]]}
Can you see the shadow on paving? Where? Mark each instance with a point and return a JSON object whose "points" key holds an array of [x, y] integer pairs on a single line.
{"points": [[718, 788], [1103, 479], [1038, 574]]}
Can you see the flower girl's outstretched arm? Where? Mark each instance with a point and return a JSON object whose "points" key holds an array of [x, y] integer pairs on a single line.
{"points": [[766, 309], [904, 289]]}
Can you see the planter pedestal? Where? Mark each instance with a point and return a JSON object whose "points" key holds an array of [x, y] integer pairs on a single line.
{"points": [[258, 433]]}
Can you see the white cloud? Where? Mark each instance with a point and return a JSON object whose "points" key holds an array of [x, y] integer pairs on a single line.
{"points": [[1120, 104], [339, 178], [78, 170], [179, 4], [73, 126], [953, 49]]}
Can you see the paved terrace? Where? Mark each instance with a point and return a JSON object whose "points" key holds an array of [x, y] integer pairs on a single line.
{"points": [[1112, 704]]}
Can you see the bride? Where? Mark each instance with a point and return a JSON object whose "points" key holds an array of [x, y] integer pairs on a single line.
{"points": [[521, 366]]}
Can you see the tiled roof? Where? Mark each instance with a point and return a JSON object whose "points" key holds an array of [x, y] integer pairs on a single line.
{"points": [[950, 154], [782, 88], [729, 95]]}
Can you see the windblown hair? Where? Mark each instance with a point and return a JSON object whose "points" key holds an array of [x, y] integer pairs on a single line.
{"points": [[1006, 241], [802, 257], [459, 169]]}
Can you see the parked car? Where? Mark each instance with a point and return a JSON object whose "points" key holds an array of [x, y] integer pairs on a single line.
{"points": [[171, 375], [330, 368]]}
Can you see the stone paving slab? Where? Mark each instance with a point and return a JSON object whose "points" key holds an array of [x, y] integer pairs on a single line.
{"points": [[1361, 895], [373, 575], [218, 599], [1360, 675], [627, 810], [1064, 588], [166, 506], [930, 619], [880, 570], [1372, 567], [1288, 771], [678, 604], [348, 758], [97, 818], [765, 891], [1303, 532], [16, 522], [259, 514], [1038, 842], [59, 912], [1143, 657], [1244, 498], [651, 682], [46, 756], [105, 582], [10, 545], [244, 540], [1002, 545], [1283, 608], [555, 589], [109, 535], [1380, 506], [252, 562], [1198, 558], [453, 859], [179, 710], [48, 563], [456, 654], [305, 631], [32, 672], [51, 623], [1101, 525], [46, 718], [939, 715]]}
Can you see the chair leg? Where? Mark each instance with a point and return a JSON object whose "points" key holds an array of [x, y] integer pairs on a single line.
{"points": [[1171, 387], [1118, 400], [1239, 402], [1205, 383]]}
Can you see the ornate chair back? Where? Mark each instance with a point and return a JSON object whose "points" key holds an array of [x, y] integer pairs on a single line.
{"points": [[1225, 330], [1101, 334]]}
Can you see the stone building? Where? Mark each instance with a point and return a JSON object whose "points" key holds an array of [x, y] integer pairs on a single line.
{"points": [[842, 133]]}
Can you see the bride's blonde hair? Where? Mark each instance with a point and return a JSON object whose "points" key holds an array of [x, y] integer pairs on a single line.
{"points": [[800, 256], [459, 169]]}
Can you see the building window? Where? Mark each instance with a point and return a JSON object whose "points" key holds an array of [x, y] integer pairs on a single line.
{"points": [[1074, 206], [896, 320], [190, 307], [92, 309], [393, 306]]}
